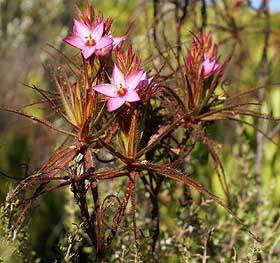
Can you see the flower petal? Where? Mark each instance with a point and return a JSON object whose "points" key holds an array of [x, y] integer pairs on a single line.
{"points": [[117, 76], [131, 96], [74, 41], [133, 79], [80, 29], [87, 51], [103, 51], [106, 89], [209, 66], [114, 103], [104, 42], [97, 31], [144, 76], [117, 41]]}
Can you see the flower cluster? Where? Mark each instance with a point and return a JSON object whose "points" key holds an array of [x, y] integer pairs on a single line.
{"points": [[202, 60], [92, 35], [201, 64]]}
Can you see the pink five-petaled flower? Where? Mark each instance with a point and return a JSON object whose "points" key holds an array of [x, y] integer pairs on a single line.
{"points": [[89, 39], [122, 88], [209, 66]]}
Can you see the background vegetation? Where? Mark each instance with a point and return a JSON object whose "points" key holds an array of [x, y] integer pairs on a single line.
{"points": [[195, 230]]}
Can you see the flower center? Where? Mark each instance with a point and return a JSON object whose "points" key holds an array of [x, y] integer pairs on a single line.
{"points": [[90, 41], [121, 90]]}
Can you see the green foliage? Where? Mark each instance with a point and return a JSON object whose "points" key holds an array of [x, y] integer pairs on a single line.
{"points": [[14, 247]]}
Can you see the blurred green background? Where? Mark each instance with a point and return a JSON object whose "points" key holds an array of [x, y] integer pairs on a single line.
{"points": [[27, 26]]}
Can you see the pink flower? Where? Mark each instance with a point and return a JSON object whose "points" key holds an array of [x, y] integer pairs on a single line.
{"points": [[116, 42], [209, 66], [147, 82], [122, 89], [90, 39]]}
